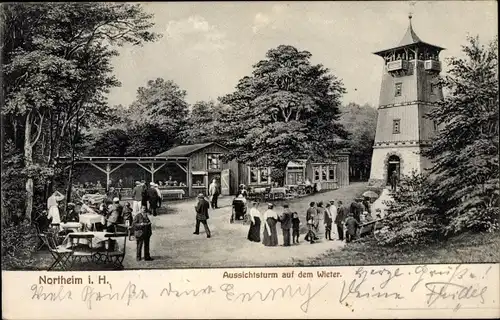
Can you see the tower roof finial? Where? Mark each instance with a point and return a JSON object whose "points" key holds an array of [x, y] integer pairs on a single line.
{"points": [[410, 11]]}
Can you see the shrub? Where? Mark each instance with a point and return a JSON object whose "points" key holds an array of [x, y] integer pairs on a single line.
{"points": [[477, 211], [413, 217], [13, 192], [18, 245]]}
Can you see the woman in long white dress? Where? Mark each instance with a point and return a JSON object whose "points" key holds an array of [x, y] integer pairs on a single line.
{"points": [[53, 208]]}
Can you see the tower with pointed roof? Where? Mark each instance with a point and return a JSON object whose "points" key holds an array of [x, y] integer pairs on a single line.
{"points": [[409, 90]]}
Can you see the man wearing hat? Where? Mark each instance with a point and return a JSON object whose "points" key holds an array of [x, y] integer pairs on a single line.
{"points": [[214, 193], [352, 225], [333, 212], [286, 224], [71, 214], [357, 208], [153, 198], [202, 215], [340, 219], [145, 187], [137, 196], [115, 215]]}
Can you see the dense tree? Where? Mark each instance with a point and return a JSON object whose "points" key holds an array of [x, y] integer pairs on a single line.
{"points": [[112, 142], [203, 123], [57, 72], [156, 117], [287, 108], [148, 140], [465, 151], [160, 103], [361, 123]]}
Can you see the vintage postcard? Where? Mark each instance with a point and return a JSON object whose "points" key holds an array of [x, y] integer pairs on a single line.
{"points": [[268, 160]]}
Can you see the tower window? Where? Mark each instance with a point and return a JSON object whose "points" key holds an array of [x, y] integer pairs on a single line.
{"points": [[396, 126], [398, 90]]}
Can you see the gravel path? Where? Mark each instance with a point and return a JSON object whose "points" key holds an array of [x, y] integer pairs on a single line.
{"points": [[173, 244]]}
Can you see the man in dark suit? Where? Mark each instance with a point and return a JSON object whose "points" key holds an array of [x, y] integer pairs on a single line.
{"points": [[394, 180], [71, 214], [310, 217], [145, 188], [357, 208], [153, 198], [202, 215], [339, 219], [352, 226], [119, 187], [142, 232], [286, 224]]}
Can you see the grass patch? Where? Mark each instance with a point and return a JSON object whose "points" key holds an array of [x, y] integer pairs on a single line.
{"points": [[465, 248]]}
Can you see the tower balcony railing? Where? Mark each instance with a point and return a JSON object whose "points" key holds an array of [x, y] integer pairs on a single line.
{"points": [[432, 65], [397, 65]]}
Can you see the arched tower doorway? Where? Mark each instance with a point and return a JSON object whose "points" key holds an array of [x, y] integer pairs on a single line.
{"points": [[393, 164]]}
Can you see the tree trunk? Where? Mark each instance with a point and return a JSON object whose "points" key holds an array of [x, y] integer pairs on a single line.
{"points": [[70, 182], [28, 162], [73, 140]]}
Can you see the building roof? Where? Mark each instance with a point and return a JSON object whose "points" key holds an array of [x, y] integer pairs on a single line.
{"points": [[297, 163], [186, 150], [409, 38]]}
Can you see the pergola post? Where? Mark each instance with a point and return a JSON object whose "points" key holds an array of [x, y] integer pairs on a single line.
{"points": [[152, 165], [108, 173], [188, 178]]}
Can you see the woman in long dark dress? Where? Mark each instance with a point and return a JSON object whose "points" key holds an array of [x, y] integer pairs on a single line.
{"points": [[254, 231], [270, 233]]}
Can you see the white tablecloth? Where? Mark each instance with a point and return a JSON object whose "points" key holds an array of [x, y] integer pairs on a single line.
{"points": [[172, 191], [70, 225], [278, 190], [90, 219], [98, 237]]}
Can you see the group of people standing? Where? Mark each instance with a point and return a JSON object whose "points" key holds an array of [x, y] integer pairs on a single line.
{"points": [[146, 196], [289, 223], [349, 222], [321, 218]]}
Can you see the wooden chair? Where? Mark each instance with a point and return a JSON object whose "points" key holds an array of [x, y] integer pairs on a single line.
{"points": [[43, 242], [115, 254], [125, 228], [60, 254], [80, 250]]}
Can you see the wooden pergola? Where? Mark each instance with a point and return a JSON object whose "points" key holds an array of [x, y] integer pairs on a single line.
{"points": [[108, 165]]}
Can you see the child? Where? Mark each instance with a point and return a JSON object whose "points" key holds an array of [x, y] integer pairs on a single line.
{"points": [[295, 227], [352, 227]]}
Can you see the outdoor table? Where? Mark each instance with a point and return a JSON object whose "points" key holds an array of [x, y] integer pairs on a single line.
{"points": [[75, 226], [97, 238], [91, 219], [259, 190], [94, 198], [278, 193], [178, 192]]}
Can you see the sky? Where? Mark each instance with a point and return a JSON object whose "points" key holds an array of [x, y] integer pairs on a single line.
{"points": [[208, 46]]}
